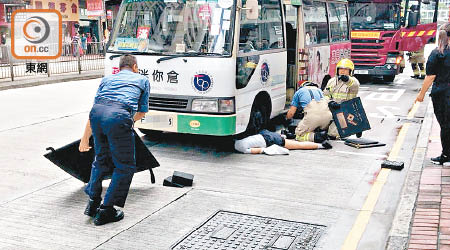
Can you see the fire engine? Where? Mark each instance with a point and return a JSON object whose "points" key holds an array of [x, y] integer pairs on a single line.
{"points": [[382, 30]]}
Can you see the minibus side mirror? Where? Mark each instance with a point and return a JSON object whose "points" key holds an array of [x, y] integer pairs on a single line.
{"points": [[252, 9]]}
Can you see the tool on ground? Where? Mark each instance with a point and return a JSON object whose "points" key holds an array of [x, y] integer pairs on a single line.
{"points": [[395, 165], [184, 179], [179, 179], [168, 182]]}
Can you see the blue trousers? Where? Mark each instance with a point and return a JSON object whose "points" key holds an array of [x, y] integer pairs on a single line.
{"points": [[112, 129]]}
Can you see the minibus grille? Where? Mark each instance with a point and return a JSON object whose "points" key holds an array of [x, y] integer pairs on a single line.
{"points": [[167, 103]]}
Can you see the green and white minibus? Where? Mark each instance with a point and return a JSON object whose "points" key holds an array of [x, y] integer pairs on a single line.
{"points": [[221, 67]]}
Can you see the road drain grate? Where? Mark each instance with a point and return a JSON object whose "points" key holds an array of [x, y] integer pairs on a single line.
{"points": [[230, 230]]}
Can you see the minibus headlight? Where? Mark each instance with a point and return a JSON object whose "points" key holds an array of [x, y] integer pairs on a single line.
{"points": [[226, 106], [205, 105]]}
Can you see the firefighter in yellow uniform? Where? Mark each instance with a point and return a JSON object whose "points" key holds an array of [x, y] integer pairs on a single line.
{"points": [[343, 87], [402, 62], [417, 61]]}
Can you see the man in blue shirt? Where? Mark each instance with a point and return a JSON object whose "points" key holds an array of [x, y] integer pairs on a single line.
{"points": [[121, 100], [302, 98]]}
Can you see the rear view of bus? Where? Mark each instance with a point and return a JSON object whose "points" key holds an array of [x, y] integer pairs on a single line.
{"points": [[201, 80]]}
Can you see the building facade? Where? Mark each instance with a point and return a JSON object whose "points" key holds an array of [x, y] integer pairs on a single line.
{"points": [[93, 17]]}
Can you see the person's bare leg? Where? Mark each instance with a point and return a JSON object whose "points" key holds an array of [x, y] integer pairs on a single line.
{"points": [[256, 150], [293, 144]]}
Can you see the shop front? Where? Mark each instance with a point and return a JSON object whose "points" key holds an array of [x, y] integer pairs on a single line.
{"points": [[70, 11]]}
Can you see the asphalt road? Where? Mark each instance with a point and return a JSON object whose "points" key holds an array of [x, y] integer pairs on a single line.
{"points": [[42, 206]]}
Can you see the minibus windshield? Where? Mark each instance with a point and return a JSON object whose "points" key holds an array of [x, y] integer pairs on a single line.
{"points": [[171, 27]]}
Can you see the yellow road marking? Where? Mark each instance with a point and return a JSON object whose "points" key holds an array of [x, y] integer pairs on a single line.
{"points": [[355, 234], [413, 110]]}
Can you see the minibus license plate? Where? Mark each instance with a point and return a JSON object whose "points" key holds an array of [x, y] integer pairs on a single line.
{"points": [[159, 120]]}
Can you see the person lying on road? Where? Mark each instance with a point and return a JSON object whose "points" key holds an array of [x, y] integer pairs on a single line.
{"points": [[272, 143]]}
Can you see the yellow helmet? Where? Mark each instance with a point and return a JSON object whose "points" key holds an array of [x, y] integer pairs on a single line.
{"points": [[345, 64]]}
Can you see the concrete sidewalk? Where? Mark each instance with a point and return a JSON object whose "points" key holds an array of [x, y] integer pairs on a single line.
{"points": [[30, 81]]}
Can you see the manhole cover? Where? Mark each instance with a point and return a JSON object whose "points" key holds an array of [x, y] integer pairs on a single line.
{"points": [[229, 230]]}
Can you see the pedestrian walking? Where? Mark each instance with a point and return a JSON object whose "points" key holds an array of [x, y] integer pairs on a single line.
{"points": [[438, 75], [121, 100], [76, 45], [84, 43], [94, 44], [67, 43], [89, 43]]}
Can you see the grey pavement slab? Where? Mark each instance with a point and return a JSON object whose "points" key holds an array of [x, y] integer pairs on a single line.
{"points": [[33, 220], [167, 226]]}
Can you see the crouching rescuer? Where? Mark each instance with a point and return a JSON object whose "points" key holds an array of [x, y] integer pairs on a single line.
{"points": [[309, 99]]}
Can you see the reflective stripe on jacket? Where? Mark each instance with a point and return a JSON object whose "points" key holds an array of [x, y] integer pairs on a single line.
{"points": [[340, 91]]}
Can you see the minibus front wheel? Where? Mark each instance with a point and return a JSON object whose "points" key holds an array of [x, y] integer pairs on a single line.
{"points": [[259, 118]]}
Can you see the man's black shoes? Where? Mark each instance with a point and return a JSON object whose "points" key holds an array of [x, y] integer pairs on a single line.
{"points": [[288, 134], [92, 207], [107, 215], [326, 145], [440, 160], [320, 137]]}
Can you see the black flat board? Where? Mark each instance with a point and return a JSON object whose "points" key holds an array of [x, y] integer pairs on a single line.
{"points": [[364, 145], [79, 165], [350, 118], [361, 141]]}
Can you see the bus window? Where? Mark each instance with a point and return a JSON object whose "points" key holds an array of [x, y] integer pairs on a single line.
{"points": [[338, 22], [266, 32], [260, 35], [316, 24]]}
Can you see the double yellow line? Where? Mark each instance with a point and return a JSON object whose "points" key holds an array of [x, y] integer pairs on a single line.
{"points": [[352, 240]]}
